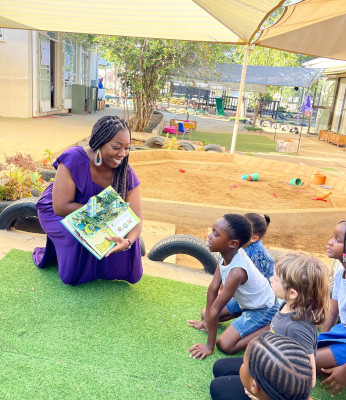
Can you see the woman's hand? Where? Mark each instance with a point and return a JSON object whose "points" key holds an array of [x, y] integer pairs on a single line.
{"points": [[200, 350], [121, 244], [200, 325], [336, 380]]}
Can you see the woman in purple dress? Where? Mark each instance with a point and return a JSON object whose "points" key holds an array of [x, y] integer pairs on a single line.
{"points": [[82, 173]]}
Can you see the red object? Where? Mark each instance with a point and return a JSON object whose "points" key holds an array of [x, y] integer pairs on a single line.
{"points": [[275, 195], [182, 170], [318, 198], [234, 186]]}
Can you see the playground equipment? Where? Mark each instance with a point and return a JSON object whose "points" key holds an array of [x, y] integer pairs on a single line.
{"points": [[219, 106], [251, 177], [296, 182]]}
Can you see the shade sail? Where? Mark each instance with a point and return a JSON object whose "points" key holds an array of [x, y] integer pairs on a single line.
{"points": [[229, 21], [313, 27], [258, 78]]}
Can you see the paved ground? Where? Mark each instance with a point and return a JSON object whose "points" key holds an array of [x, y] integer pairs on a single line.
{"points": [[56, 133]]}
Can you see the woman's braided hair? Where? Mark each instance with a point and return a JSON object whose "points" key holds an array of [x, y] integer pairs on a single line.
{"points": [[103, 131], [280, 367]]}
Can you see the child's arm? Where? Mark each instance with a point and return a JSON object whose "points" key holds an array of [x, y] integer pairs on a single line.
{"points": [[236, 277], [313, 364], [332, 317], [212, 293]]}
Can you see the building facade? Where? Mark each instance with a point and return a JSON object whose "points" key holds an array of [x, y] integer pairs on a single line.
{"points": [[38, 71]]}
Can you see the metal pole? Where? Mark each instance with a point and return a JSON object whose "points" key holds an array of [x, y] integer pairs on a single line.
{"points": [[240, 96]]}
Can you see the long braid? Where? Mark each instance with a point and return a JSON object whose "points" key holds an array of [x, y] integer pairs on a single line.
{"points": [[103, 131], [280, 366]]}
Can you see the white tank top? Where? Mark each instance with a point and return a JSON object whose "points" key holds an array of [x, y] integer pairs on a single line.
{"points": [[256, 291]]}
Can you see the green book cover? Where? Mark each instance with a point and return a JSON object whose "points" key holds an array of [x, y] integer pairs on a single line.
{"points": [[105, 214]]}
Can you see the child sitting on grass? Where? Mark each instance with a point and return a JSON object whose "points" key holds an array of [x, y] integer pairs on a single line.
{"points": [[302, 281], [331, 353], [241, 280], [275, 368], [255, 249]]}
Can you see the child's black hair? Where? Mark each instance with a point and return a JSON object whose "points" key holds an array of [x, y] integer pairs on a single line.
{"points": [[239, 228], [280, 366], [344, 250], [259, 223]]}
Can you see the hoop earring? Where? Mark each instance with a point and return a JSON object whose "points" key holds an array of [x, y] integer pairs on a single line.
{"points": [[98, 158]]}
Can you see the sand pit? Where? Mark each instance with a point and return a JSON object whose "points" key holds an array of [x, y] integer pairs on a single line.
{"points": [[191, 190]]}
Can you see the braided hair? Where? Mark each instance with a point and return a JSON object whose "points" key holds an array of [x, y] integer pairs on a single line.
{"points": [[259, 223], [239, 228], [280, 366], [103, 131]]}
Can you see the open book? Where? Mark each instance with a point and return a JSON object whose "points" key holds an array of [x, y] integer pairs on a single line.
{"points": [[105, 214]]}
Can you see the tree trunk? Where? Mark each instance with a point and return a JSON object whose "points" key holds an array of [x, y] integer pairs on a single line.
{"points": [[142, 114], [256, 109]]}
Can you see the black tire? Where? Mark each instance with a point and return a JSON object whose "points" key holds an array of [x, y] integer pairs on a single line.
{"points": [[184, 244], [213, 147], [155, 142], [18, 209], [48, 174], [285, 128], [137, 147], [294, 130], [142, 244], [186, 146]]}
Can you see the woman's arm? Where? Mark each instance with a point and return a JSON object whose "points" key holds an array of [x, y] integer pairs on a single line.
{"points": [[134, 198], [64, 192]]}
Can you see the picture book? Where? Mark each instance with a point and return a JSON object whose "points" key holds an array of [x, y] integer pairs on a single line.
{"points": [[105, 214]]}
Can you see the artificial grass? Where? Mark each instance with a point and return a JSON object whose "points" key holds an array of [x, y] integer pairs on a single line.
{"points": [[245, 142], [100, 340]]}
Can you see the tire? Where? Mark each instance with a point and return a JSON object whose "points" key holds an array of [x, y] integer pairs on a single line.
{"points": [[285, 128], [18, 209], [294, 130], [155, 142], [266, 123], [137, 147], [213, 147], [184, 244], [186, 146], [142, 244]]}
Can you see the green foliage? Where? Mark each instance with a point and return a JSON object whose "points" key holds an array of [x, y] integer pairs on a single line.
{"points": [[48, 157], [252, 128], [171, 144], [20, 176], [145, 66]]}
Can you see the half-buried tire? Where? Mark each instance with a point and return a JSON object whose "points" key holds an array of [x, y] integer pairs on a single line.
{"points": [[18, 209], [184, 244], [186, 146], [142, 244], [213, 147], [155, 142]]}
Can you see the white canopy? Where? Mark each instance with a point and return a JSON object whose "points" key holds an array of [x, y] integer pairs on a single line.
{"points": [[313, 27], [230, 21]]}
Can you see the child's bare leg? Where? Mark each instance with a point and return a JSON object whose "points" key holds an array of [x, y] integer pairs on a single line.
{"points": [[231, 342], [324, 359], [224, 315]]}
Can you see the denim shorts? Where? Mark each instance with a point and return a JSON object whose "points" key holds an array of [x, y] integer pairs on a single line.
{"points": [[250, 320]]}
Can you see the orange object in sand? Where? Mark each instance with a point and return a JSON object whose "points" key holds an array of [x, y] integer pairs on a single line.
{"points": [[319, 179], [325, 196]]}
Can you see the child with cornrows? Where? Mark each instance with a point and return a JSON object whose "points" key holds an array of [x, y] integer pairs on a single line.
{"points": [[302, 281], [275, 367], [331, 353], [255, 249]]}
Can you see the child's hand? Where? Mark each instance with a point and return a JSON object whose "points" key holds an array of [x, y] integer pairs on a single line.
{"points": [[336, 380], [200, 350], [201, 325]]}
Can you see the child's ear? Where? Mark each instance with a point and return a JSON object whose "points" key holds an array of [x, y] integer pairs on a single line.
{"points": [[254, 388], [254, 238], [292, 294], [233, 244]]}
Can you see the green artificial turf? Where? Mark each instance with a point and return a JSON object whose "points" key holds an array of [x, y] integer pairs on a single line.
{"points": [[245, 142], [100, 340]]}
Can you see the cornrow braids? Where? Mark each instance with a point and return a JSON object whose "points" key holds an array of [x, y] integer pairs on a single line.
{"points": [[103, 131], [280, 367], [259, 223]]}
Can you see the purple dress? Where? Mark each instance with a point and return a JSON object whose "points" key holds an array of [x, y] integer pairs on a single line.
{"points": [[76, 264]]}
